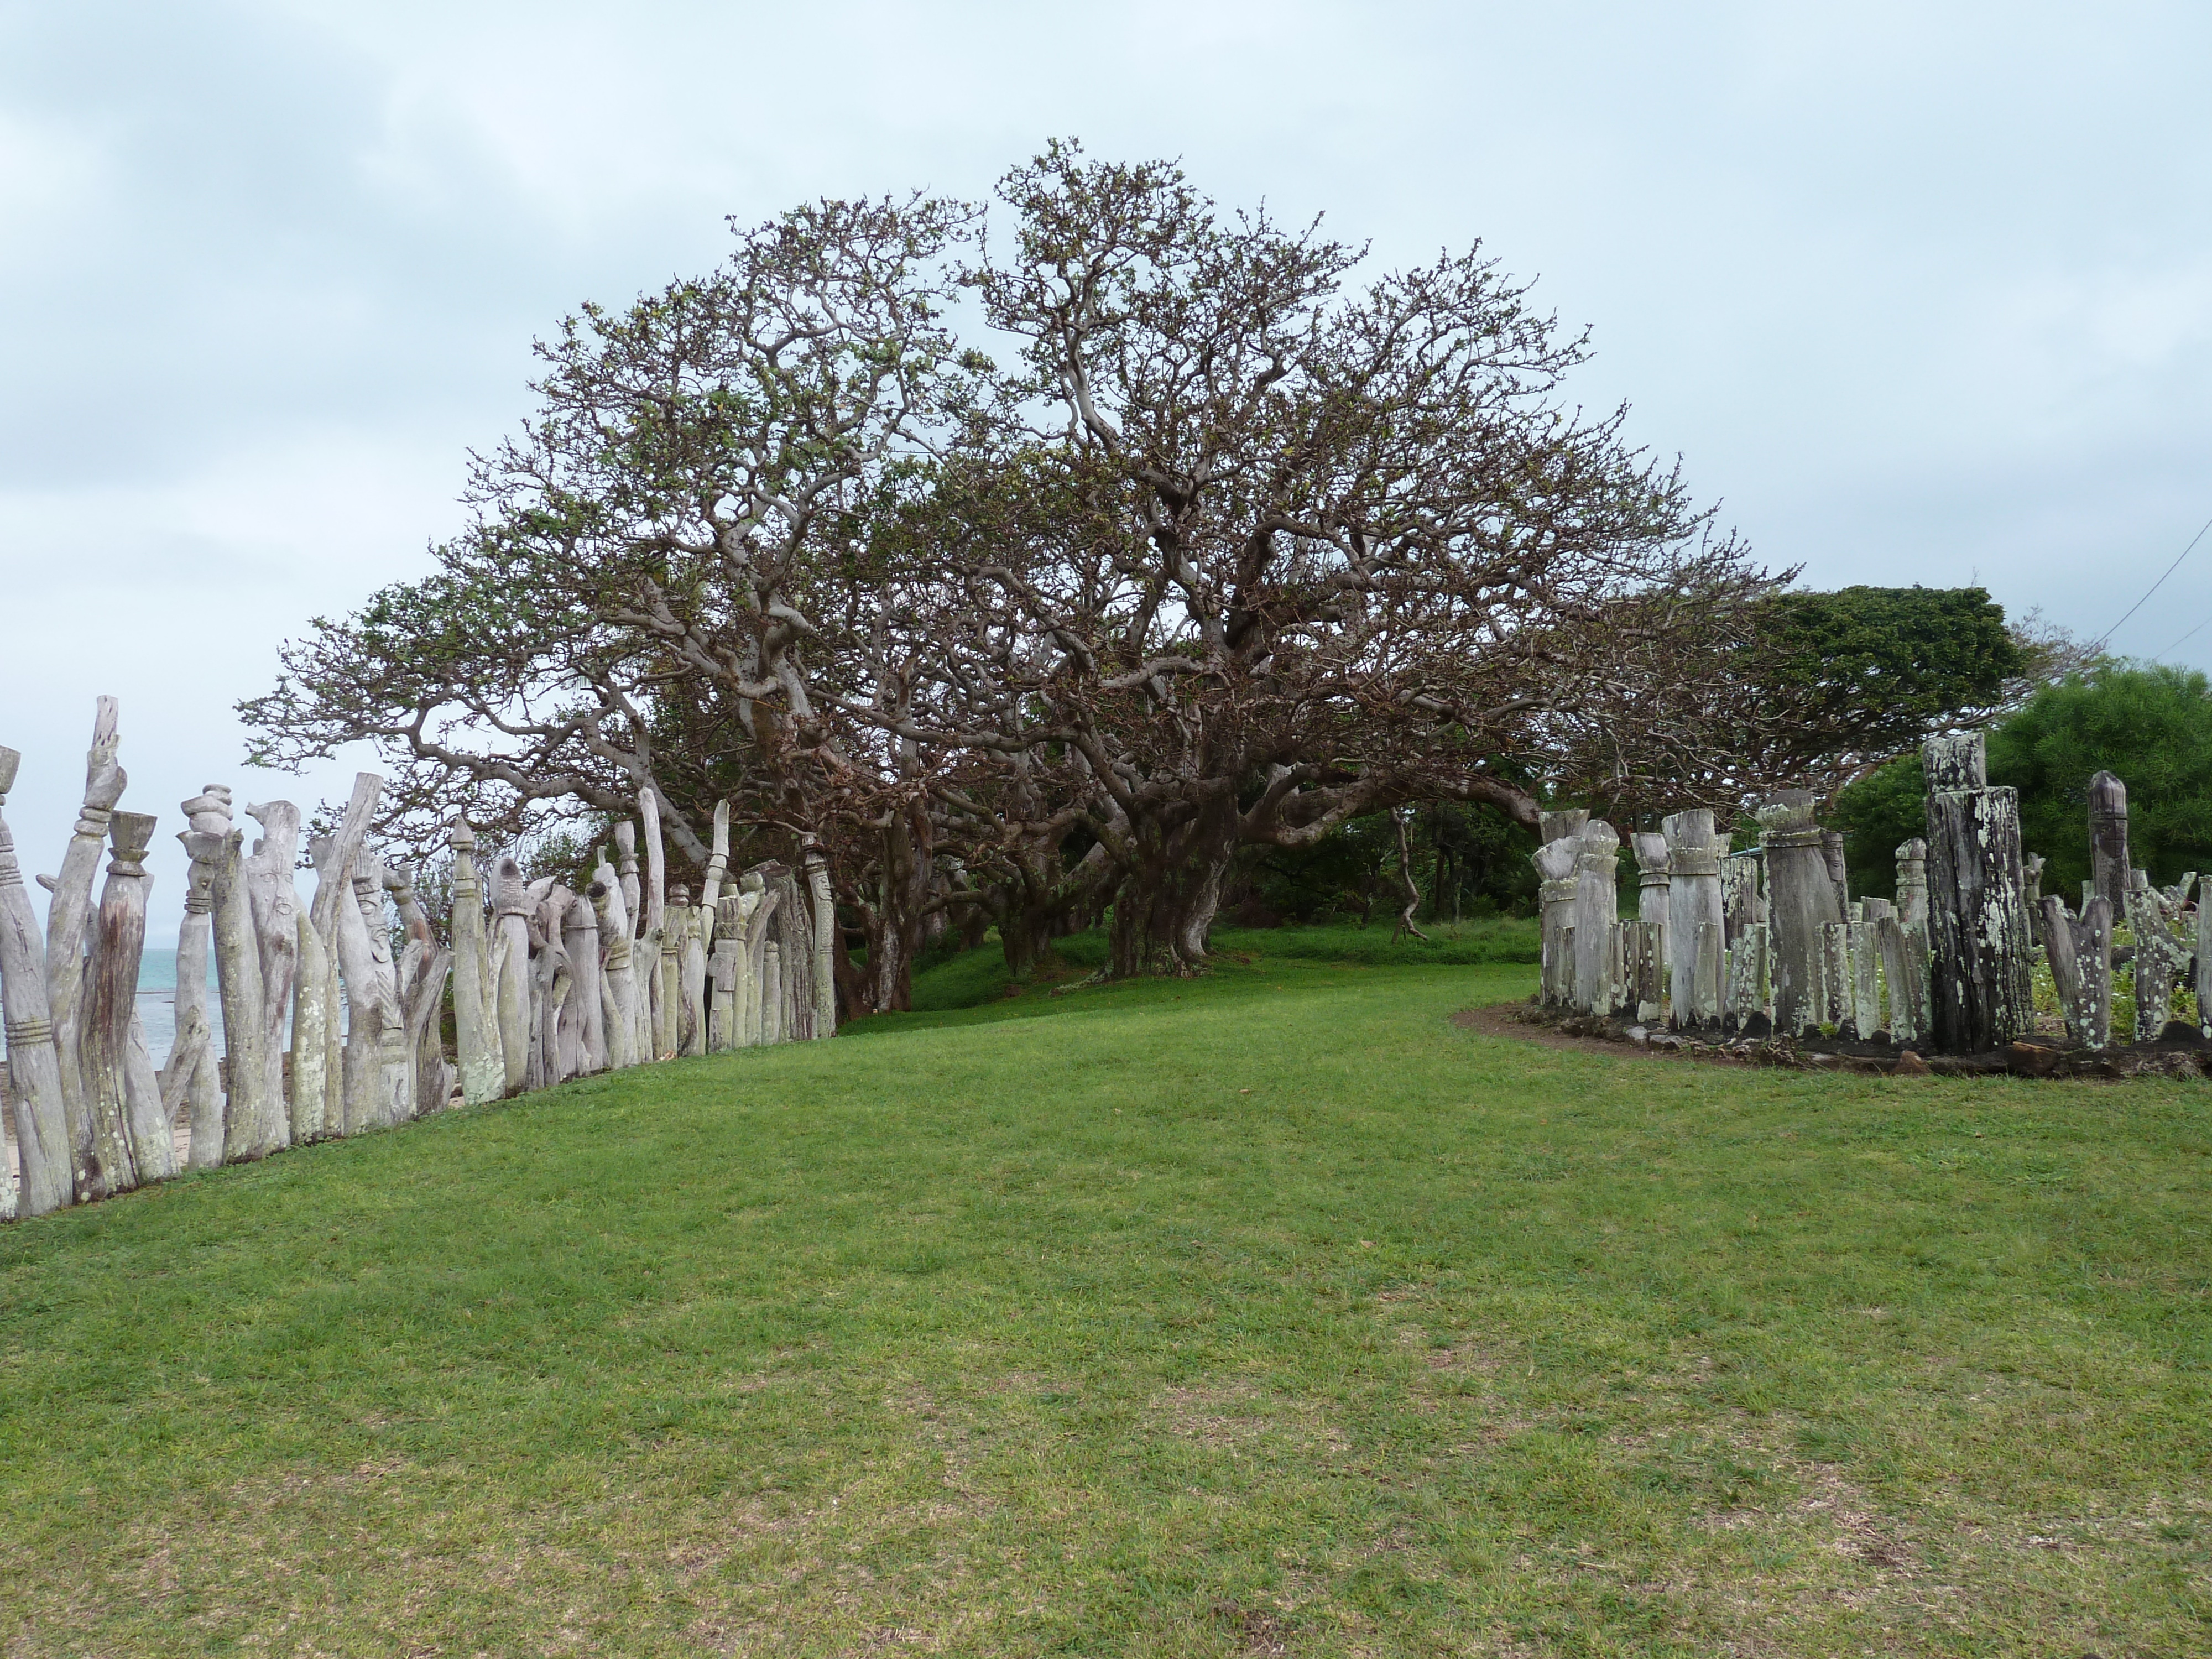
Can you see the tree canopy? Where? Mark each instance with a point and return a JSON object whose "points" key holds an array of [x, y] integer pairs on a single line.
{"points": [[1210, 539]]}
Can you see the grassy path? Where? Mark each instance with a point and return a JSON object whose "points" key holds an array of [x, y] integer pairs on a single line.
{"points": [[1272, 1314]]}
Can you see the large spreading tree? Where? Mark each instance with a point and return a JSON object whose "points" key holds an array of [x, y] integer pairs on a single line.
{"points": [[1210, 540]]}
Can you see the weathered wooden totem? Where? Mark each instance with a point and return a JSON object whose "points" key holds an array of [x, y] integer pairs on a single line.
{"points": [[1557, 866], [1696, 925], [2109, 866], [1801, 901], [476, 990]]}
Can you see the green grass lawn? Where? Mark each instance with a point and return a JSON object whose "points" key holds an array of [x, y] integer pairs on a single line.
{"points": [[1270, 1313]]}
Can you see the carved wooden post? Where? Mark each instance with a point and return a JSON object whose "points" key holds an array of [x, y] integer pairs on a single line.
{"points": [[668, 977], [2108, 840], [1801, 900], [276, 931], [660, 947], [795, 933], [1981, 990], [1866, 966], [125, 1147], [688, 937], [580, 937], [395, 1065], [2031, 879], [1556, 863], [1651, 887], [1913, 888], [1904, 966], [1561, 823], [1831, 856], [422, 969], [190, 1076], [1833, 993], [722, 1006], [772, 997], [616, 972], [511, 900], [334, 856], [824, 939], [67, 914], [252, 1117], [1693, 901], [34, 1097], [476, 1031], [757, 906], [1597, 907]]}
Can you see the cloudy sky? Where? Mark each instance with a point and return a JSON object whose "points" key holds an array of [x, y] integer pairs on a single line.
{"points": [[1919, 293]]}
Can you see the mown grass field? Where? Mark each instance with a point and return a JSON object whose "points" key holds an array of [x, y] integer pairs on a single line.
{"points": [[1268, 1313]]}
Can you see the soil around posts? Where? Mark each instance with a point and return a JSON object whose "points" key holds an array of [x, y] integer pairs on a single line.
{"points": [[2180, 1051]]}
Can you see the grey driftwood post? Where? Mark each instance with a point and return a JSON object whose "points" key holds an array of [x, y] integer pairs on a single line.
{"points": [[795, 933], [757, 906], [1866, 953], [422, 969], [2031, 881], [688, 936], [1556, 863], [2108, 840], [1694, 902], [2080, 953], [661, 950], [476, 1030], [1597, 909], [1832, 854], [1801, 901], [42, 1140], [1981, 994]]}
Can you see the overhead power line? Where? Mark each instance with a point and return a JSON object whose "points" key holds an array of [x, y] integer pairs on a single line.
{"points": [[2154, 588]]}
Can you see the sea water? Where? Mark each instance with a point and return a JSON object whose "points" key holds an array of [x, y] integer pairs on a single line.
{"points": [[157, 1003]]}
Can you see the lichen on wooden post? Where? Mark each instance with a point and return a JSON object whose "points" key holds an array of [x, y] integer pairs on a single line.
{"points": [[1693, 900], [1905, 967], [1981, 990], [619, 992], [1743, 1004], [2160, 959], [2081, 953], [1741, 906], [1801, 901]]}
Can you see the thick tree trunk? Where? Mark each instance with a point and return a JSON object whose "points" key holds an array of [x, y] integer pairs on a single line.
{"points": [[1168, 901]]}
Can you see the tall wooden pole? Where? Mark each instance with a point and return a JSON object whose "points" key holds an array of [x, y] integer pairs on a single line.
{"points": [[1981, 990], [42, 1138], [2108, 840]]}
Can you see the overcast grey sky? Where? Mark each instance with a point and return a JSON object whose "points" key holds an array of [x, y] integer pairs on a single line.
{"points": [[1919, 293]]}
